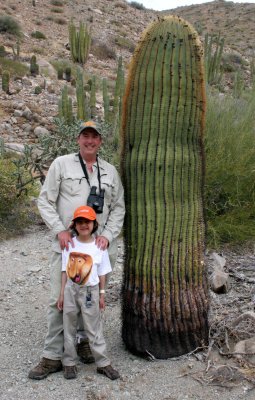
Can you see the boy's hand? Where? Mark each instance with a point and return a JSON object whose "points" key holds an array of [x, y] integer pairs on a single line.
{"points": [[101, 301], [60, 303]]}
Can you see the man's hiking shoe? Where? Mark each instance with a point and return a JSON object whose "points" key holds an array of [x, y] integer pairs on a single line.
{"points": [[70, 372], [44, 368], [109, 372], [84, 352]]}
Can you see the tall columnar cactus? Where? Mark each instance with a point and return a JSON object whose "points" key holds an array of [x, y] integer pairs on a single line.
{"points": [[213, 49], [6, 81], [82, 106], [165, 300], [106, 101], [68, 74], [80, 42], [65, 107], [92, 100]]}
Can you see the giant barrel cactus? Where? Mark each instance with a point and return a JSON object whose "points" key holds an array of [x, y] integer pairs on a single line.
{"points": [[165, 288]]}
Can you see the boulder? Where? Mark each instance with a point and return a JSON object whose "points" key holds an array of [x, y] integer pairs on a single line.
{"points": [[41, 131]]}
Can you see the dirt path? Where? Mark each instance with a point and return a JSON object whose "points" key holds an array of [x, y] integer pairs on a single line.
{"points": [[23, 299]]}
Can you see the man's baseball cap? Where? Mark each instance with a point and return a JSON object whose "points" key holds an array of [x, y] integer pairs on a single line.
{"points": [[84, 212], [90, 125]]}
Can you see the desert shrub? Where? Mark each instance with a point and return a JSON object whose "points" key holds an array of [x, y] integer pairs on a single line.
{"points": [[57, 3], [63, 64], [56, 10], [60, 21], [138, 6], [121, 4], [9, 25], [102, 51], [2, 51], [124, 43], [38, 35], [14, 209], [38, 50], [231, 62], [230, 169], [49, 18], [15, 68], [38, 90]]}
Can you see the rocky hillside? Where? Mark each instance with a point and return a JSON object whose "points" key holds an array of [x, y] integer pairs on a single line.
{"points": [[116, 28]]}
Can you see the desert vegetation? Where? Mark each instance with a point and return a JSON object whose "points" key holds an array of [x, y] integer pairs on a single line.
{"points": [[229, 136]]}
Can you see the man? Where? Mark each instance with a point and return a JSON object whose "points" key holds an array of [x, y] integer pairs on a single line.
{"points": [[67, 186]]}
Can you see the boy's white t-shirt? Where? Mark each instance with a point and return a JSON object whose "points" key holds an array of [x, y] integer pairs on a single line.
{"points": [[101, 262]]}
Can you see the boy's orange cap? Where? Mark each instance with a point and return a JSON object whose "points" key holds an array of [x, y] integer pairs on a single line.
{"points": [[85, 212]]}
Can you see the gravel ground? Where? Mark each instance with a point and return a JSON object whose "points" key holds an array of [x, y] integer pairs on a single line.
{"points": [[24, 294]]}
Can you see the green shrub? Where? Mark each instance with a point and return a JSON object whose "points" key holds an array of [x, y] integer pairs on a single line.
{"points": [[138, 6], [38, 35], [102, 51], [15, 68], [60, 21], [56, 10], [14, 210], [57, 3], [38, 90], [124, 43], [2, 51], [9, 25], [62, 64], [230, 169]]}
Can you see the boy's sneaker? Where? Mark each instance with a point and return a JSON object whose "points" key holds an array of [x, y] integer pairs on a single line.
{"points": [[84, 352], [70, 372], [109, 372], [44, 368]]}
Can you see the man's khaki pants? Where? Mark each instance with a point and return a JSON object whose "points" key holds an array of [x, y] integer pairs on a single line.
{"points": [[85, 300]]}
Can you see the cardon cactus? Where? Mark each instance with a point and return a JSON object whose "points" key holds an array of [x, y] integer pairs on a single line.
{"points": [[164, 299], [6, 81]]}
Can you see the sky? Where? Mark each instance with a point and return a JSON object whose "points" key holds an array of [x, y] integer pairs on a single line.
{"points": [[168, 4]]}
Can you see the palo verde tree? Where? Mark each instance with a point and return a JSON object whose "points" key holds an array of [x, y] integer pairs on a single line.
{"points": [[165, 301]]}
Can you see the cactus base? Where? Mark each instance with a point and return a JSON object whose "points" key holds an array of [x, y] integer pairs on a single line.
{"points": [[148, 337]]}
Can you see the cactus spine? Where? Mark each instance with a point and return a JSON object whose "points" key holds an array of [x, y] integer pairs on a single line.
{"points": [[165, 288], [6, 81], [80, 42]]}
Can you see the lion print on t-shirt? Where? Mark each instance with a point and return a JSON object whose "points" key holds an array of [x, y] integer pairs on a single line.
{"points": [[79, 267]]}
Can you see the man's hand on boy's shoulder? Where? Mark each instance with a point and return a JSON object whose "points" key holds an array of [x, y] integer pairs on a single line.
{"points": [[102, 243], [64, 239]]}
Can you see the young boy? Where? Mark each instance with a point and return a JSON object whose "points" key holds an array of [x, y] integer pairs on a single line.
{"points": [[84, 267]]}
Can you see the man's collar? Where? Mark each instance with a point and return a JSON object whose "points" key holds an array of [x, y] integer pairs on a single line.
{"points": [[76, 158]]}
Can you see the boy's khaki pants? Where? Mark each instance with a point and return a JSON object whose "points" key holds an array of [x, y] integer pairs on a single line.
{"points": [[83, 299]]}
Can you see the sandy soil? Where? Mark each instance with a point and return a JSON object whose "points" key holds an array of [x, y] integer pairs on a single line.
{"points": [[23, 298]]}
